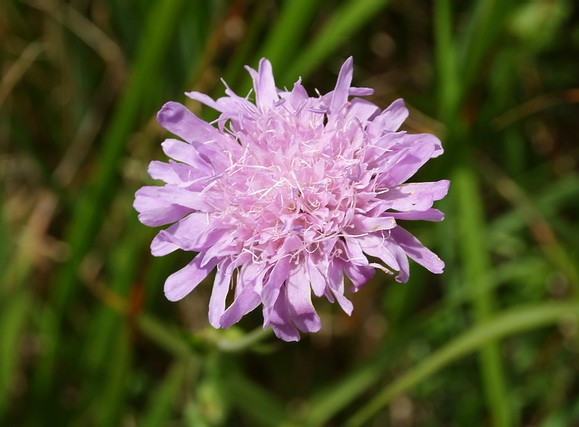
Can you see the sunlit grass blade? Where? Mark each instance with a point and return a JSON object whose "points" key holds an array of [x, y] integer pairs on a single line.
{"points": [[342, 24], [476, 260], [446, 61], [472, 245], [245, 51], [281, 43], [286, 36], [512, 322], [336, 397], [486, 23], [330, 401]]}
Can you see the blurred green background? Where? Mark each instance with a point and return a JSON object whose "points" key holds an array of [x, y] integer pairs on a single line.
{"points": [[86, 335]]}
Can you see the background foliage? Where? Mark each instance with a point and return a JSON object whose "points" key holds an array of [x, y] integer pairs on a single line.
{"points": [[86, 336]]}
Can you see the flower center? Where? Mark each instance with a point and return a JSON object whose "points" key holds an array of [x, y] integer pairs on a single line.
{"points": [[291, 180]]}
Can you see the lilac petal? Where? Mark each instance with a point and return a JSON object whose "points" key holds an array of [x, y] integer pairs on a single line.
{"points": [[186, 153], [380, 246], [194, 224], [285, 331], [390, 119], [177, 119], [340, 94], [182, 282], [163, 215], [298, 95], [370, 225], [354, 251], [361, 110], [361, 91], [186, 236], [246, 301], [376, 246], [336, 286], [222, 246], [161, 246], [417, 251], [317, 280], [416, 196], [427, 215], [153, 211], [252, 273], [163, 171], [265, 92], [151, 197], [381, 149], [234, 105], [358, 274], [404, 272], [278, 318], [277, 276], [219, 292], [298, 293], [204, 99], [406, 162]]}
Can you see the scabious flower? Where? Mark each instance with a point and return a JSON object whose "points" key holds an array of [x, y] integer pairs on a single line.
{"points": [[287, 196]]}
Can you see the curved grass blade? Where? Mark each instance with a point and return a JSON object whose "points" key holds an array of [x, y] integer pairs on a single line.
{"points": [[509, 323]]}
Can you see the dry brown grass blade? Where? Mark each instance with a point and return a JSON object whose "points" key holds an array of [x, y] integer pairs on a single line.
{"points": [[534, 106], [538, 225], [19, 68]]}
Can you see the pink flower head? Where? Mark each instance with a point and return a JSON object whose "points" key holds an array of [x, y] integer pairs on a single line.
{"points": [[287, 196]]}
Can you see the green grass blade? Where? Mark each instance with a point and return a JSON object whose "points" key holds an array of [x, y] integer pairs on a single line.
{"points": [[13, 318], [109, 407], [344, 22], [164, 398], [91, 209], [330, 401], [486, 23], [286, 36], [336, 397], [258, 404], [472, 244], [446, 61], [477, 264], [512, 322], [244, 53], [159, 333]]}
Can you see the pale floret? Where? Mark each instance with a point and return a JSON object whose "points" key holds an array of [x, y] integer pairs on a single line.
{"points": [[287, 196]]}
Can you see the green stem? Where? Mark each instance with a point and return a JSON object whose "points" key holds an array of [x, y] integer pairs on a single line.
{"points": [[229, 345]]}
